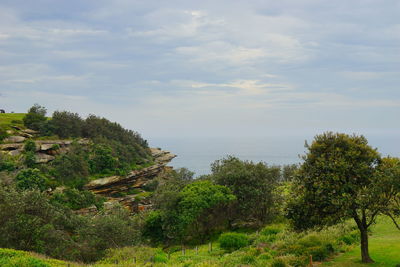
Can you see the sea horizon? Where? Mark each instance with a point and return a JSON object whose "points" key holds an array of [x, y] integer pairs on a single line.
{"points": [[197, 153]]}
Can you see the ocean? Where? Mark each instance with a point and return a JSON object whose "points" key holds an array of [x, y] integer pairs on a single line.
{"points": [[197, 153]]}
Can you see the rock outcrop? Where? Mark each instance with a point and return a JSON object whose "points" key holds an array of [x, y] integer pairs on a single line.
{"points": [[117, 185], [46, 150]]}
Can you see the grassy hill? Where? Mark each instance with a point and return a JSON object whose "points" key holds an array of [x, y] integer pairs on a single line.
{"points": [[8, 119]]}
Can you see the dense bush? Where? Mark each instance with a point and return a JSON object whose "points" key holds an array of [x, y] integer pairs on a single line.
{"points": [[36, 118], [233, 241], [110, 229], [67, 124], [72, 168], [31, 179], [7, 163], [190, 213], [251, 183], [29, 222], [76, 199]]}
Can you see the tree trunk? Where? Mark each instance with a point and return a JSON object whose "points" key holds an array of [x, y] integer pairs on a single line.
{"points": [[365, 258]]}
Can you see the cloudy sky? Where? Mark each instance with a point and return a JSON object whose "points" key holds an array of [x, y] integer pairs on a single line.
{"points": [[192, 68]]}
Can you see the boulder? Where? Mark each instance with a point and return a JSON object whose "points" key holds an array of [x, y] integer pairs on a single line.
{"points": [[14, 139], [43, 158]]}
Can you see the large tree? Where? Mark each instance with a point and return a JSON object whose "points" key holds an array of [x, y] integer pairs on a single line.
{"points": [[342, 177], [253, 184]]}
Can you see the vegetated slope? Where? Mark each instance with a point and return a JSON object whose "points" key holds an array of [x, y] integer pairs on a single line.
{"points": [[384, 246], [8, 119]]}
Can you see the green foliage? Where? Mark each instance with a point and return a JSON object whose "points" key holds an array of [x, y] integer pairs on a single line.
{"points": [[72, 168], [67, 124], [76, 199], [3, 134], [30, 146], [233, 241], [271, 230], [102, 160], [7, 163], [36, 117], [110, 229], [288, 172], [278, 263], [342, 177], [250, 183], [29, 152], [31, 179], [188, 212], [29, 222]]}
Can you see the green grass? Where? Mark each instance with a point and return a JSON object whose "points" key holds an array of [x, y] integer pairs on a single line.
{"points": [[8, 119], [384, 247]]}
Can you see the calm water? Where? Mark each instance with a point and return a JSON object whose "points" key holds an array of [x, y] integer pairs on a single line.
{"points": [[197, 154]]}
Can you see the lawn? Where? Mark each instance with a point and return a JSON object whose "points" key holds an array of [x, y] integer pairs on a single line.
{"points": [[7, 119], [384, 247]]}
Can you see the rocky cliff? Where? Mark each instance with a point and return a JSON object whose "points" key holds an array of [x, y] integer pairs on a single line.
{"points": [[117, 185], [127, 190]]}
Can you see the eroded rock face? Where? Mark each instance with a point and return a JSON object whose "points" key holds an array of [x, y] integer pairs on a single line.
{"points": [[43, 158], [14, 139], [46, 150], [114, 185]]}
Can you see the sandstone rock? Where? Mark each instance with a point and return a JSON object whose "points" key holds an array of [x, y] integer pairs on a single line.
{"points": [[8, 147], [26, 135], [45, 147], [43, 158], [9, 132], [29, 131], [15, 152], [14, 139]]}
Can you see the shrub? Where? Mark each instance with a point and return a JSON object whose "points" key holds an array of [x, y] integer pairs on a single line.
{"points": [[67, 124], [233, 241], [271, 230], [6, 163], [31, 179], [160, 257], [36, 117], [278, 263], [76, 199]]}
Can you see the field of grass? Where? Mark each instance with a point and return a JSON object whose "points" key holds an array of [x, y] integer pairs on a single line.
{"points": [[384, 247], [8, 119]]}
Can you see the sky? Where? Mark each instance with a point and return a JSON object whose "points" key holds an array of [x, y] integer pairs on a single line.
{"points": [[207, 68]]}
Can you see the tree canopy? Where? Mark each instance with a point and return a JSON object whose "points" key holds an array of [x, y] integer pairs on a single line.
{"points": [[341, 178]]}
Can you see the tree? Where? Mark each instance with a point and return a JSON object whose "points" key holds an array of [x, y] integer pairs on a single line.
{"points": [[341, 178], [36, 117], [67, 124], [389, 173], [189, 212], [251, 183]]}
